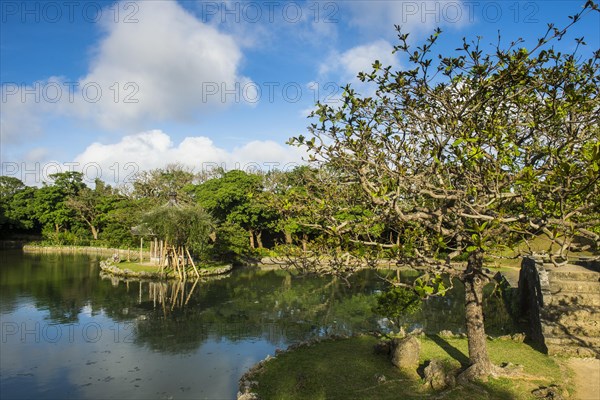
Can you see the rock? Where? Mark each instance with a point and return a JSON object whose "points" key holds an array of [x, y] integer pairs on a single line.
{"points": [[417, 332], [405, 353], [512, 369], [518, 337], [437, 376], [446, 334], [550, 392], [247, 396], [380, 378]]}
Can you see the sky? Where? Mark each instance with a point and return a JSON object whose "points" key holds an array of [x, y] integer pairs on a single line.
{"points": [[113, 88]]}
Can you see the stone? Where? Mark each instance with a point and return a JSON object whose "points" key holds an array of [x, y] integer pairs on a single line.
{"points": [[380, 378], [247, 396], [446, 334], [438, 377], [405, 353], [550, 392], [511, 369]]}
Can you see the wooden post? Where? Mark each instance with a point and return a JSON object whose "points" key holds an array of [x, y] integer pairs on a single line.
{"points": [[141, 248], [192, 262]]}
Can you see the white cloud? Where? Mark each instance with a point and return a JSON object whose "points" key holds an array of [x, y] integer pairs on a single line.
{"points": [[346, 66], [155, 149], [361, 58], [167, 66], [378, 17], [170, 57], [18, 119]]}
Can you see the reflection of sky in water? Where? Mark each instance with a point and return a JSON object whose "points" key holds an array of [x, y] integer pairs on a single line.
{"points": [[67, 333], [95, 358]]}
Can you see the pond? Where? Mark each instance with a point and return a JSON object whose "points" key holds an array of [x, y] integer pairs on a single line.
{"points": [[68, 332]]}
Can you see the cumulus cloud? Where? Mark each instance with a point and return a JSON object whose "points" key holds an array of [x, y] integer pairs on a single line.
{"points": [[118, 162], [360, 58], [169, 58], [378, 17], [166, 66]]}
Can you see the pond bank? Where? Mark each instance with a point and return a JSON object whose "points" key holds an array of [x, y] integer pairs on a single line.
{"points": [[349, 368], [151, 271], [127, 254]]}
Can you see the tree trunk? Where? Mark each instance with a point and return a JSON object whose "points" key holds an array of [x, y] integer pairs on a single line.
{"points": [[94, 232], [251, 233], [259, 239], [474, 281], [288, 237]]}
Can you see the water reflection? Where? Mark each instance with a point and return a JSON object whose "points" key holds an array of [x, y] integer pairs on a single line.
{"points": [[146, 339]]}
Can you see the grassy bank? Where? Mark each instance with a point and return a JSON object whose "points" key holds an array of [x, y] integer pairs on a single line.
{"points": [[152, 271], [131, 254], [349, 369]]}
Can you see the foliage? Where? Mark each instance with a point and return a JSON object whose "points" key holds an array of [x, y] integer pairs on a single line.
{"points": [[397, 302], [161, 183], [473, 151], [188, 226], [231, 244]]}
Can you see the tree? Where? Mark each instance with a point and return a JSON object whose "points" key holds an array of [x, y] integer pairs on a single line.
{"points": [[15, 205], [186, 227], [474, 152], [50, 202], [161, 183], [93, 205], [237, 198]]}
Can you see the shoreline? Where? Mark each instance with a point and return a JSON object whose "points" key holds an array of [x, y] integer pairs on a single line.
{"points": [[108, 267], [129, 254]]}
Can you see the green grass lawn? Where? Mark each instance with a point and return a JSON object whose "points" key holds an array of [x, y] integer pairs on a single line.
{"points": [[137, 267], [348, 369], [147, 267]]}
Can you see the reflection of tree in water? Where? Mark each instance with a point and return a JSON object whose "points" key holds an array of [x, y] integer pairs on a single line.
{"points": [[250, 304], [266, 305]]}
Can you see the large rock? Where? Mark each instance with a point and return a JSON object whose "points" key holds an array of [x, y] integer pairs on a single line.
{"points": [[405, 353], [438, 376]]}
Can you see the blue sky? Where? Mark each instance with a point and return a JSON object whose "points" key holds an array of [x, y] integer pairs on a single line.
{"points": [[115, 87]]}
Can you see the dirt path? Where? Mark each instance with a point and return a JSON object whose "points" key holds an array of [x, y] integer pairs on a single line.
{"points": [[587, 378]]}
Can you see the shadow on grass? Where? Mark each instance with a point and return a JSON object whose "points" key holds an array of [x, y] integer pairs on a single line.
{"points": [[451, 350], [348, 369]]}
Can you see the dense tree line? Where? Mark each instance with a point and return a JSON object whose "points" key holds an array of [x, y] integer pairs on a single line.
{"points": [[249, 212]]}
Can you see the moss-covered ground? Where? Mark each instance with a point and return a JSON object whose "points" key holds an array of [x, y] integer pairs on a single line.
{"points": [[349, 369]]}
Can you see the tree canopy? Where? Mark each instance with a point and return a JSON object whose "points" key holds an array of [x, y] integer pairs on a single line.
{"points": [[472, 151]]}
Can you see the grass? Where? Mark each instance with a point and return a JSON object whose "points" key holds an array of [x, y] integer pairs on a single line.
{"points": [[539, 244], [348, 369], [137, 267]]}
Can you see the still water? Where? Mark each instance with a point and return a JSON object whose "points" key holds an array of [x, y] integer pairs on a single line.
{"points": [[67, 332]]}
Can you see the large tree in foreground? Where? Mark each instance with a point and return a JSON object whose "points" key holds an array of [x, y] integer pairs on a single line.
{"points": [[474, 150]]}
